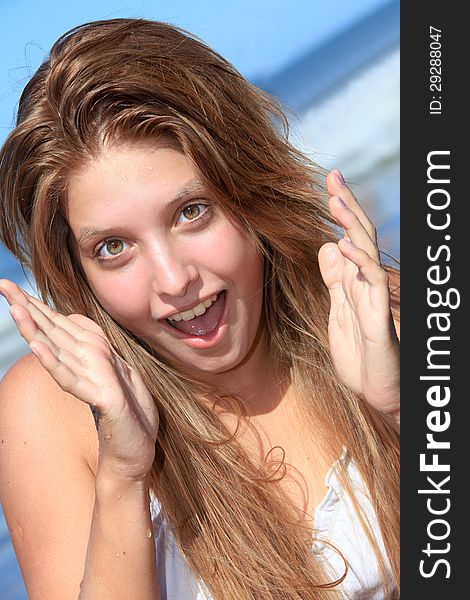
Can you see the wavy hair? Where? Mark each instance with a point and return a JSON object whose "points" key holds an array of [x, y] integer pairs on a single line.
{"points": [[136, 81]]}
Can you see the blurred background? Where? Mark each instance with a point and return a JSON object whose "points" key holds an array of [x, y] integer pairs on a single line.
{"points": [[334, 65]]}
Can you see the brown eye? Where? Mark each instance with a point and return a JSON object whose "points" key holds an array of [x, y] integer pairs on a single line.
{"points": [[114, 247], [192, 211], [111, 249], [198, 211]]}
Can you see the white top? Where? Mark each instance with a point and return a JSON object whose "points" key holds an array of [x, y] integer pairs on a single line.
{"points": [[335, 522]]}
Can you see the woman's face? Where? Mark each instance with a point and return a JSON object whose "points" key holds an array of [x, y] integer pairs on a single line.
{"points": [[154, 246]]}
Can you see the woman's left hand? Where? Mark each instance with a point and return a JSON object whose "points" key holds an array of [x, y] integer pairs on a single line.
{"points": [[363, 341]]}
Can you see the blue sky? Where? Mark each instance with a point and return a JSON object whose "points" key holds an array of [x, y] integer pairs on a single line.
{"points": [[257, 36]]}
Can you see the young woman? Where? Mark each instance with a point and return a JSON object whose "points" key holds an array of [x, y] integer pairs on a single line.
{"points": [[241, 363]]}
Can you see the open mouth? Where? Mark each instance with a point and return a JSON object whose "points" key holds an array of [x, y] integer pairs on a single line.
{"points": [[204, 324]]}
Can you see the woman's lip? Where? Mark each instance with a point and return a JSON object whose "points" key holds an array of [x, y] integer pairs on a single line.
{"points": [[202, 341]]}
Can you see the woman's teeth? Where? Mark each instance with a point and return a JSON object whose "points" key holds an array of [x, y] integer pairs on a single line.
{"points": [[196, 311]]}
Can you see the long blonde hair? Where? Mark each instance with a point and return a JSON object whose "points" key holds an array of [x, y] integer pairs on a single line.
{"points": [[126, 80]]}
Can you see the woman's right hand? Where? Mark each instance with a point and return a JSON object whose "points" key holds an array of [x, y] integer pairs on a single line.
{"points": [[75, 352]]}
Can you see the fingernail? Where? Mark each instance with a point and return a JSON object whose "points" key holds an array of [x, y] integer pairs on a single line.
{"points": [[340, 178], [342, 201]]}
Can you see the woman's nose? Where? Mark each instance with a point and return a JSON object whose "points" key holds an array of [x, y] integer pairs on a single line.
{"points": [[172, 273]]}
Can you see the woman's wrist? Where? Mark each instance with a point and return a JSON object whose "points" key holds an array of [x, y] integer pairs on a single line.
{"points": [[109, 482]]}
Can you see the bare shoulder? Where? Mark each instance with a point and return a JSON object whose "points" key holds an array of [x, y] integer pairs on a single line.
{"points": [[48, 449], [34, 407]]}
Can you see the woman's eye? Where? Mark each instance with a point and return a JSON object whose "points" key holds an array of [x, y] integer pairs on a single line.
{"points": [[111, 248], [114, 247], [192, 212]]}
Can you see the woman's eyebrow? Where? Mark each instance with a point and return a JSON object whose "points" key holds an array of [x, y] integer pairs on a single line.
{"points": [[86, 233]]}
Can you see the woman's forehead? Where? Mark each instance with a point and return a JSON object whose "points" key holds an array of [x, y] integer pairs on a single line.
{"points": [[131, 165]]}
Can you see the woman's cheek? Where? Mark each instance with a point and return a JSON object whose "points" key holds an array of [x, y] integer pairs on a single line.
{"points": [[230, 252], [246, 263], [121, 294]]}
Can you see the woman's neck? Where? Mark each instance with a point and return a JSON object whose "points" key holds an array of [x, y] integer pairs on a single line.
{"points": [[259, 380]]}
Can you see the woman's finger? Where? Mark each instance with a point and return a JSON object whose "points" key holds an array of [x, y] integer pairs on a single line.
{"points": [[33, 324], [68, 322], [66, 356], [331, 264], [66, 377], [337, 187], [85, 374], [47, 319], [368, 268], [353, 227], [28, 327], [29, 330]]}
